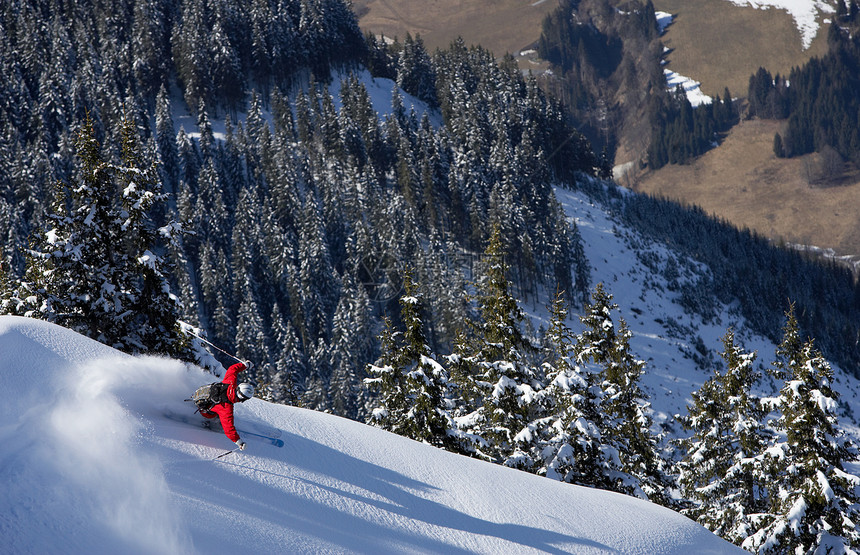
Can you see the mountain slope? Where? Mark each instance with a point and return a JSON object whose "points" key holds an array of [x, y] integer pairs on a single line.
{"points": [[680, 348], [93, 465]]}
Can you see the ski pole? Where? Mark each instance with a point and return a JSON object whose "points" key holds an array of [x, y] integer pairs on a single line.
{"points": [[216, 347], [223, 454]]}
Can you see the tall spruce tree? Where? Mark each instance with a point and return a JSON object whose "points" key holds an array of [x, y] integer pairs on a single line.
{"points": [[495, 368], [411, 382], [816, 504], [95, 268], [721, 472], [626, 423], [569, 445]]}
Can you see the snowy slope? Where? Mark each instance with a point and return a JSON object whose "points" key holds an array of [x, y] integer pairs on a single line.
{"points": [[90, 464], [680, 349], [379, 89]]}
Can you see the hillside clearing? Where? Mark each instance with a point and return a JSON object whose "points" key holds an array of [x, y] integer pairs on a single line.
{"points": [[502, 26], [726, 54], [743, 182]]}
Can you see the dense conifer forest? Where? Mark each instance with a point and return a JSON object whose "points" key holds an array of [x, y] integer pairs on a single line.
{"points": [[297, 222], [374, 265], [287, 237]]}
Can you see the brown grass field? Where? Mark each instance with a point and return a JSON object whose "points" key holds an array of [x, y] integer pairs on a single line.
{"points": [[744, 183], [721, 45], [502, 26]]}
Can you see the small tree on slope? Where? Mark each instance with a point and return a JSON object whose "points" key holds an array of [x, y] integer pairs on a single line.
{"points": [[817, 505], [412, 384], [721, 471]]}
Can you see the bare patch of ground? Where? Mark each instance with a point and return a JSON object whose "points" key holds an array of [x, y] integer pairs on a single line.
{"points": [[502, 26], [743, 183], [721, 45]]}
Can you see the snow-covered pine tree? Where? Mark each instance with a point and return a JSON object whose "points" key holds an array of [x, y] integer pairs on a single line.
{"points": [[568, 444], [495, 369], [411, 383], [95, 269], [816, 505], [626, 423], [289, 367], [350, 347], [415, 72], [721, 473], [153, 325]]}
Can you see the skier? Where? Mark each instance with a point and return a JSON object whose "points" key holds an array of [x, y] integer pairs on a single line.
{"points": [[234, 394]]}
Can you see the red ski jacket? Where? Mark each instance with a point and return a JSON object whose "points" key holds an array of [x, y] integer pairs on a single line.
{"points": [[224, 411]]}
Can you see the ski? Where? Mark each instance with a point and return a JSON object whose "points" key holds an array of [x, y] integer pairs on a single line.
{"points": [[193, 422]]}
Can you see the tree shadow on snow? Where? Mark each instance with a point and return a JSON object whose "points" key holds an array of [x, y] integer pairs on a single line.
{"points": [[321, 509]]}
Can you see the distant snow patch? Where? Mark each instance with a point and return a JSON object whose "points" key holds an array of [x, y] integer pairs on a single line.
{"points": [[691, 87], [664, 19], [804, 12]]}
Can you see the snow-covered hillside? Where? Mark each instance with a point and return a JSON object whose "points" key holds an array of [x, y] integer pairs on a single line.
{"points": [[91, 464], [679, 348]]}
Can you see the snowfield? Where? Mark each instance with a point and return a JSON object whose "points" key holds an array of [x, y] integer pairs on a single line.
{"points": [[665, 335], [91, 464]]}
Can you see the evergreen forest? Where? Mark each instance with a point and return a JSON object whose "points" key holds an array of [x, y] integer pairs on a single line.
{"points": [[284, 238]]}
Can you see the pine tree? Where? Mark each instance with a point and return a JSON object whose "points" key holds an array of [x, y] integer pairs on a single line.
{"points": [[415, 72], [626, 426], [816, 504], [289, 368], [350, 348], [94, 269], [168, 153], [495, 369], [568, 444], [412, 384], [721, 472]]}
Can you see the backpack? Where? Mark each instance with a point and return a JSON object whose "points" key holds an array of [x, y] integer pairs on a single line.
{"points": [[209, 395]]}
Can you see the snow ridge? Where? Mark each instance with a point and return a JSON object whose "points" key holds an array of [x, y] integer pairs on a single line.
{"points": [[92, 465]]}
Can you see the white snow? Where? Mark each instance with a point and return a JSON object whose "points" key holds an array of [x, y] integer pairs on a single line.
{"points": [[664, 334], [691, 87], [379, 89], [673, 79], [806, 14], [90, 464], [664, 19]]}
